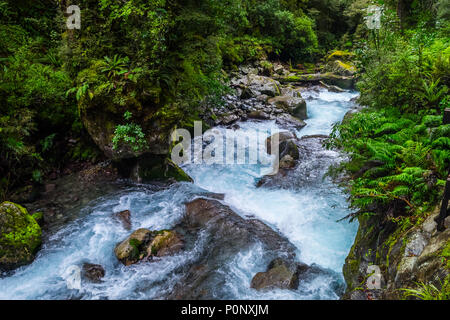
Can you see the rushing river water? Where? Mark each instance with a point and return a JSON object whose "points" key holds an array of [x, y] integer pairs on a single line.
{"points": [[306, 214]]}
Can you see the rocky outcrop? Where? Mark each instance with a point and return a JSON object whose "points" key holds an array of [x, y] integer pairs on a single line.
{"points": [[20, 236], [400, 259], [219, 235], [148, 168], [144, 243], [226, 234]]}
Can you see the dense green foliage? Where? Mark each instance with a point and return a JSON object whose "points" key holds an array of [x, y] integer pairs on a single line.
{"points": [[399, 147], [157, 59]]}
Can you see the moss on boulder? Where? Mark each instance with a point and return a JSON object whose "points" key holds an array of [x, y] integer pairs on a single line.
{"points": [[143, 243], [20, 236]]}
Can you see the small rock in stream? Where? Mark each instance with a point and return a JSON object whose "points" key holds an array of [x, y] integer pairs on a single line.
{"points": [[125, 218], [93, 272]]}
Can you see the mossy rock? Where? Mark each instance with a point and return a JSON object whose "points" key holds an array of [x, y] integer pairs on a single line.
{"points": [[342, 55], [149, 167], [20, 236], [144, 243]]}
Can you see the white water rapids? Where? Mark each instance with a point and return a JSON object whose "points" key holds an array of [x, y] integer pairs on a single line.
{"points": [[306, 216]]}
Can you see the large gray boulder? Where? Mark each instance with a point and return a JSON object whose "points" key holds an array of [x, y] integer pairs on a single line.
{"points": [[295, 106], [255, 85]]}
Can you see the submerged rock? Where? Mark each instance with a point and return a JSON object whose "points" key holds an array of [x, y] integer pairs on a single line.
{"points": [[20, 236], [93, 272], [125, 218]]}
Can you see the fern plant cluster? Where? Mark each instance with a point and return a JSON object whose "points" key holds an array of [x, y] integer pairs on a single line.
{"points": [[394, 157]]}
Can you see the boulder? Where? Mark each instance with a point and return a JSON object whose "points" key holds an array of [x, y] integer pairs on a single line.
{"points": [[165, 243], [133, 249], [280, 274], [149, 168], [20, 236], [93, 272], [295, 106], [281, 137], [286, 145], [288, 122], [262, 85], [144, 243], [341, 68]]}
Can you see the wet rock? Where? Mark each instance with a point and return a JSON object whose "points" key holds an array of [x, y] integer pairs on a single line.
{"points": [[287, 162], [332, 88], [313, 162], [279, 275], [280, 137], [287, 148], [93, 272], [125, 218], [20, 236], [288, 122], [165, 243], [229, 119], [133, 249], [295, 106], [225, 234], [144, 243]]}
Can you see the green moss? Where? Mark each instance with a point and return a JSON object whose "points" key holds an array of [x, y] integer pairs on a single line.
{"points": [[160, 169], [20, 235], [339, 54], [135, 244], [38, 216]]}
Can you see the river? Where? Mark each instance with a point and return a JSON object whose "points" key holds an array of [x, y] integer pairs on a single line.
{"points": [[305, 213]]}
